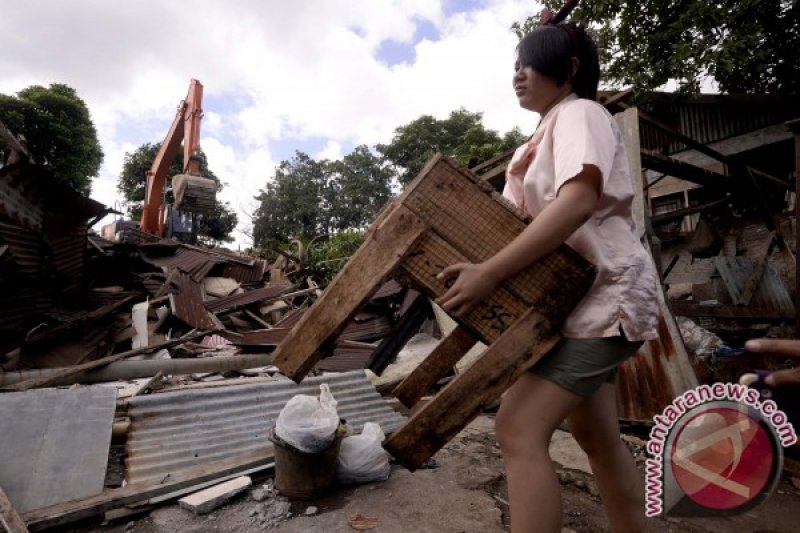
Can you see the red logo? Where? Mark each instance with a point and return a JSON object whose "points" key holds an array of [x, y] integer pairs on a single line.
{"points": [[723, 458]]}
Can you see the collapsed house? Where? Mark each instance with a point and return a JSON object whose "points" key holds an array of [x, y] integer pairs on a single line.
{"points": [[186, 334]]}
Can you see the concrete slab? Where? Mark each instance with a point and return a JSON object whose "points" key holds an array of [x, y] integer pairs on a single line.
{"points": [[209, 499]]}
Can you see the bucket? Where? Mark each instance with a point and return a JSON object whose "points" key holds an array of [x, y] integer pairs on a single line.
{"points": [[300, 475]]}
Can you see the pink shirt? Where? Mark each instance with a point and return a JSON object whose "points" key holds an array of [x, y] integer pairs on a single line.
{"points": [[573, 133]]}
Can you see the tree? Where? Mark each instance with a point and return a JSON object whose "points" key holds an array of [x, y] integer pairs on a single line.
{"points": [[132, 183], [461, 135], [58, 131], [295, 203], [361, 185], [746, 46]]}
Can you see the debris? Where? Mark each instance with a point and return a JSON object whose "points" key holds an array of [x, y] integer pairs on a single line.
{"points": [[209, 499], [259, 494], [311, 511], [361, 522]]}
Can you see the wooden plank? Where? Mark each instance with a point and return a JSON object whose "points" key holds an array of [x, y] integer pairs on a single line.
{"points": [[9, 518], [390, 237], [514, 352], [440, 361], [56, 515]]}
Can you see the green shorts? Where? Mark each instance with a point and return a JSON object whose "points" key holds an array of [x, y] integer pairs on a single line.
{"points": [[583, 365]]}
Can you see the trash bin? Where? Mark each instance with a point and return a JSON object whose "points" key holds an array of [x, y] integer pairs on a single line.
{"points": [[300, 475]]}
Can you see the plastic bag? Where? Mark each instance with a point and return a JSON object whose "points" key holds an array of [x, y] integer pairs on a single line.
{"points": [[362, 459], [308, 423]]}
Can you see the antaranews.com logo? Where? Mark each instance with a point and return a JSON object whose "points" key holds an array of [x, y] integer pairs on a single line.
{"points": [[716, 450]]}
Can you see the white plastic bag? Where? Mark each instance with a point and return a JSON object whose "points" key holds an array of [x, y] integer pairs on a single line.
{"points": [[362, 459], [308, 423]]}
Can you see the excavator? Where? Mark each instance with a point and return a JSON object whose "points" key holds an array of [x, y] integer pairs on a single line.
{"points": [[193, 193]]}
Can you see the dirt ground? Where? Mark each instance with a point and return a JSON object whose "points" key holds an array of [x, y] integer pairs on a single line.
{"points": [[463, 492]]}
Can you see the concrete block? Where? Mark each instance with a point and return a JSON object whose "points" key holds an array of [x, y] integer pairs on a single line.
{"points": [[209, 499]]}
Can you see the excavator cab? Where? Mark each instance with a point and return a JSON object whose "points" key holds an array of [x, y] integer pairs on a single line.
{"points": [[193, 193]]}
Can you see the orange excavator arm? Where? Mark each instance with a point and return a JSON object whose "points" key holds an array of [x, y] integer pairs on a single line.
{"points": [[186, 128]]}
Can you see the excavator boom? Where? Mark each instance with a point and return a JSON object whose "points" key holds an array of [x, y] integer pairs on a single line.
{"points": [[185, 128]]}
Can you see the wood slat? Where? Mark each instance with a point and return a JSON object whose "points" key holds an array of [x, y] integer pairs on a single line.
{"points": [[9, 518], [513, 353], [434, 367]]}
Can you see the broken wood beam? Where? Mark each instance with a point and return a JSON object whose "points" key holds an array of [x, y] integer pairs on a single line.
{"points": [[513, 353], [680, 169], [388, 240], [434, 367], [9, 517], [680, 213]]}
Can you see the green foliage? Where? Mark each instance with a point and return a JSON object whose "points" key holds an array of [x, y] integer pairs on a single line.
{"points": [[360, 186], [58, 131], [326, 258], [746, 46], [295, 203], [461, 135], [132, 183]]}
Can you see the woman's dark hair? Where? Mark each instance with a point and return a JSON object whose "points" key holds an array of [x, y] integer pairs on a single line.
{"points": [[549, 50]]}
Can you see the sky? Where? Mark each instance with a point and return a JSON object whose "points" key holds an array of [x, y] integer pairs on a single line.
{"points": [[319, 76]]}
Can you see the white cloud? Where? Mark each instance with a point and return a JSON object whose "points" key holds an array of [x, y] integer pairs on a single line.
{"points": [[272, 71]]}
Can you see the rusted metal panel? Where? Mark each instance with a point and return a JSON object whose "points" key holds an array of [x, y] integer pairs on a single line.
{"points": [[25, 246], [171, 431], [31, 197], [221, 305], [375, 328], [68, 253], [192, 262], [347, 356], [390, 288], [254, 273], [264, 337], [187, 303]]}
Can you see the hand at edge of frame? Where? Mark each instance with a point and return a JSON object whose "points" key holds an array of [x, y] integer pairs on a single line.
{"points": [[778, 347]]}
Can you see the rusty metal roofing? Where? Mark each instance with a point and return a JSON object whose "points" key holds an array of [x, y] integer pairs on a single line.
{"points": [[264, 337], [32, 197], [68, 253], [372, 329], [187, 303], [171, 431], [26, 247], [227, 303], [348, 355], [291, 318], [192, 262], [770, 294], [254, 273]]}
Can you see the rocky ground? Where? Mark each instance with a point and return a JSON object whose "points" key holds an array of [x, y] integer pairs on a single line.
{"points": [[464, 491]]}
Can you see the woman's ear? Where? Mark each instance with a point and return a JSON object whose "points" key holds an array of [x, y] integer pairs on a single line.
{"points": [[574, 68]]}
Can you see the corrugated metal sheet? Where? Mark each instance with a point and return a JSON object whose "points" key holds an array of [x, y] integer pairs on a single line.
{"points": [[291, 318], [390, 288], [264, 337], [711, 118], [26, 248], [68, 253], [187, 303], [256, 295], [368, 330], [192, 262], [771, 293], [175, 430], [254, 273], [348, 355]]}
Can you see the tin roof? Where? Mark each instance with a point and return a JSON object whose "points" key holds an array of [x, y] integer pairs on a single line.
{"points": [[171, 431]]}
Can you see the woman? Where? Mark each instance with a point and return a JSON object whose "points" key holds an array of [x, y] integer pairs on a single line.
{"points": [[572, 177]]}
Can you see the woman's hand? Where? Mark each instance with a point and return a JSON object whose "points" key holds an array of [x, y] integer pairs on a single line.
{"points": [[473, 282]]}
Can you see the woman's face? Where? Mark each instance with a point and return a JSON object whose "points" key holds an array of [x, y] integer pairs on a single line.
{"points": [[535, 91]]}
